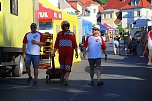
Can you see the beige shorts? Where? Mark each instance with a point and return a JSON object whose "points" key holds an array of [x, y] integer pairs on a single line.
{"points": [[150, 52]]}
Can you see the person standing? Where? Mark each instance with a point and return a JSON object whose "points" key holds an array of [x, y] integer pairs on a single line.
{"points": [[32, 43], [143, 37], [116, 45], [65, 44], [127, 40], [95, 44]]}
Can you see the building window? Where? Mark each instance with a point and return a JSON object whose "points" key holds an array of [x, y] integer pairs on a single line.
{"points": [[59, 5], [138, 13], [104, 16], [122, 0], [147, 13], [110, 15], [0, 6], [14, 7], [94, 10]]}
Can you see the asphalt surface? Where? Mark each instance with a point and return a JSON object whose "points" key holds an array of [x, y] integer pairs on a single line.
{"points": [[126, 78]]}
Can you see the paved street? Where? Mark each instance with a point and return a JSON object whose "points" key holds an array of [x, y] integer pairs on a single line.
{"points": [[126, 78]]}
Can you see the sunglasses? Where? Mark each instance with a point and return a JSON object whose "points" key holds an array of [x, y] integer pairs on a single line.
{"points": [[95, 29], [33, 26]]}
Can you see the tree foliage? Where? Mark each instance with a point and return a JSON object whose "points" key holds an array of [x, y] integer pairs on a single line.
{"points": [[102, 2]]}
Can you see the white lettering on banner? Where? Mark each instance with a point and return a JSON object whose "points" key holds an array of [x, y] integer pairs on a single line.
{"points": [[43, 14], [55, 14], [59, 15]]}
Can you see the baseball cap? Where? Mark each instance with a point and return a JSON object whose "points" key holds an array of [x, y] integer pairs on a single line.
{"points": [[96, 27]]}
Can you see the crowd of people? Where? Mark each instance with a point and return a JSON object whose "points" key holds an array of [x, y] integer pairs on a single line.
{"points": [[94, 46], [140, 40]]}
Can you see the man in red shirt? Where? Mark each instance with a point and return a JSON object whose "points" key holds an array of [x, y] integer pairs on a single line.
{"points": [[65, 44]]}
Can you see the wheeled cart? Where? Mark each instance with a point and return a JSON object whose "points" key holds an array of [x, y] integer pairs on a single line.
{"points": [[54, 73]]}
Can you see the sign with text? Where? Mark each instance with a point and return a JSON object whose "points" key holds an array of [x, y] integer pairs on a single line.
{"points": [[47, 14]]}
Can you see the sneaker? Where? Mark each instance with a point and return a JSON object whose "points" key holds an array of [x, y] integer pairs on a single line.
{"points": [[142, 56], [91, 83], [29, 80], [35, 83], [127, 54], [100, 83], [149, 64]]}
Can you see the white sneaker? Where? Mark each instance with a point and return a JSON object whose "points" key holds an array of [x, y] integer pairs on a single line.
{"points": [[149, 64], [142, 56]]}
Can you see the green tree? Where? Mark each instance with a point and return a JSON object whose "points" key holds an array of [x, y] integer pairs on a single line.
{"points": [[121, 30], [102, 2]]}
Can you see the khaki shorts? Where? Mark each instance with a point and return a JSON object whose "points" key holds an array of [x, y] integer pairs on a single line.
{"points": [[150, 52]]}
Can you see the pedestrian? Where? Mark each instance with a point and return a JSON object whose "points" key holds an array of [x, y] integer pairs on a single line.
{"points": [[143, 37], [32, 43], [150, 47], [116, 45], [127, 40], [94, 45], [65, 44]]}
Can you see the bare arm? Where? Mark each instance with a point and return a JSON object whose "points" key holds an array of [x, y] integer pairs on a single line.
{"points": [[38, 43], [24, 50], [53, 52], [76, 52]]}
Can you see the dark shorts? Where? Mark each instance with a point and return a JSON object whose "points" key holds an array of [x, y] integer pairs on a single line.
{"points": [[95, 63], [32, 58]]}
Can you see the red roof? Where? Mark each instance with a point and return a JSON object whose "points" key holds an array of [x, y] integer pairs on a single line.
{"points": [[143, 3], [115, 4], [125, 4], [91, 2], [100, 8], [84, 1]]}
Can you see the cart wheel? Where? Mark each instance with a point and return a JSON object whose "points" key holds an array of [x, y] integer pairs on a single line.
{"points": [[47, 79]]}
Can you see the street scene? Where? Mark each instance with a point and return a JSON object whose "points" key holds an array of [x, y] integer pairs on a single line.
{"points": [[126, 78], [75, 50]]}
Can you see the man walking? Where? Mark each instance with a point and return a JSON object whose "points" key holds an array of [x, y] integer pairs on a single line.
{"points": [[65, 44], [95, 44], [32, 43]]}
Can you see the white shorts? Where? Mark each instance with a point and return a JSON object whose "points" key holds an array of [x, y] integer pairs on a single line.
{"points": [[115, 43]]}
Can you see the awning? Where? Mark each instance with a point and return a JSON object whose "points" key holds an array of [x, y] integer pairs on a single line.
{"points": [[87, 27], [46, 14], [141, 21]]}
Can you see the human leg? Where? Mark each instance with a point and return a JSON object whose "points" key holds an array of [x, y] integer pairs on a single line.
{"points": [[28, 69], [92, 65], [149, 57], [114, 47], [114, 50], [98, 68], [118, 50], [98, 72], [65, 65], [35, 62]]}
